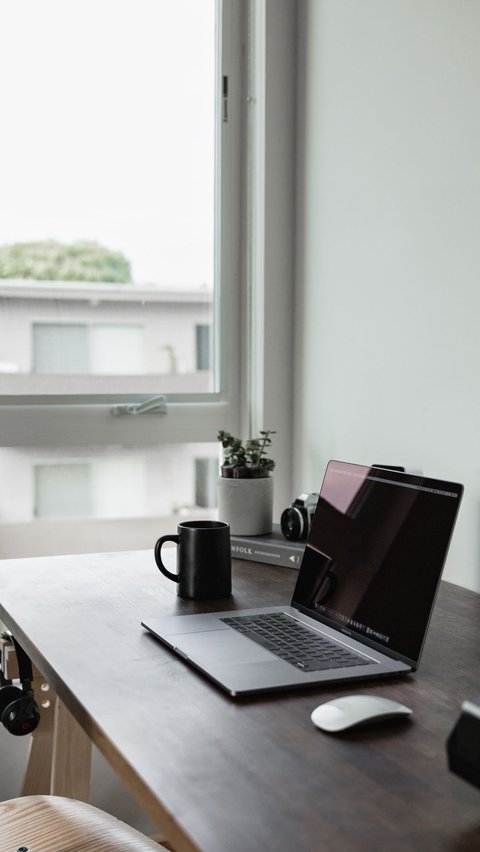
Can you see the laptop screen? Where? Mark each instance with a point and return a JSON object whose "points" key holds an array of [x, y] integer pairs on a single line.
{"points": [[375, 554]]}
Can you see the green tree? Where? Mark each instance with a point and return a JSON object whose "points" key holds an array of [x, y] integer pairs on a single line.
{"points": [[53, 261]]}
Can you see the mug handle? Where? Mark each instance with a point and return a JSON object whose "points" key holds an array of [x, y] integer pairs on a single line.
{"points": [[158, 558]]}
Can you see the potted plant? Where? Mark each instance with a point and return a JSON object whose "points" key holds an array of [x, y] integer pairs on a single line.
{"points": [[246, 461], [245, 487]]}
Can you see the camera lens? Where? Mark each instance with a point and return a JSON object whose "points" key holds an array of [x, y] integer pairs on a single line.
{"points": [[292, 524]]}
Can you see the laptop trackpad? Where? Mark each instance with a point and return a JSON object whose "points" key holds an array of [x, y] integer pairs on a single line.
{"points": [[219, 647]]}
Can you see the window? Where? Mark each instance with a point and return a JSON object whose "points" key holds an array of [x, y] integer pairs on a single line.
{"points": [[206, 472], [110, 485], [114, 209], [204, 355], [62, 490], [113, 482], [121, 181], [81, 348], [96, 148], [59, 348]]}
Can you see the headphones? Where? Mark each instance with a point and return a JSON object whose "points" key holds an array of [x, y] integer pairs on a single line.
{"points": [[19, 712]]}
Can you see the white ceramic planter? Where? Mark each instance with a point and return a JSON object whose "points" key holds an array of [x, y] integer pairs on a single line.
{"points": [[246, 504]]}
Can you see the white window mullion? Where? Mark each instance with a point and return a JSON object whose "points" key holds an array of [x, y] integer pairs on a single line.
{"points": [[271, 229]]}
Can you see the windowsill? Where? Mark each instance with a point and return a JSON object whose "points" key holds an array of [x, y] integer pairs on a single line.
{"points": [[50, 537]]}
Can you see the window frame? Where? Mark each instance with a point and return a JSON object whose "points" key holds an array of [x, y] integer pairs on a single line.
{"points": [[92, 419], [257, 205]]}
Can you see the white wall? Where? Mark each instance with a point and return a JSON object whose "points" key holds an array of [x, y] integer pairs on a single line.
{"points": [[388, 245]]}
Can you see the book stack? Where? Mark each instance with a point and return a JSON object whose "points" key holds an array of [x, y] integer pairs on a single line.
{"points": [[272, 549]]}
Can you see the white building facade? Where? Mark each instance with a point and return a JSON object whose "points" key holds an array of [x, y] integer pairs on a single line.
{"points": [[77, 338]]}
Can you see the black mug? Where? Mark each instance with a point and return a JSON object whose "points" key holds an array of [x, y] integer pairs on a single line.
{"points": [[203, 560]]}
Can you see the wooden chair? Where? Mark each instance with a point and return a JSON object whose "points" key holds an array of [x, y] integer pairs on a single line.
{"points": [[58, 824]]}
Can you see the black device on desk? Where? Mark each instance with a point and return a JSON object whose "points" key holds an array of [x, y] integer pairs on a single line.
{"points": [[463, 744]]}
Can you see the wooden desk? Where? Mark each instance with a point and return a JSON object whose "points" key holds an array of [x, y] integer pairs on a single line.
{"points": [[224, 775]]}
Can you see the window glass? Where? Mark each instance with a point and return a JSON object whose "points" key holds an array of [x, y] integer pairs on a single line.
{"points": [[107, 162], [206, 472], [59, 348], [62, 490], [104, 499], [203, 341], [81, 348], [165, 481]]}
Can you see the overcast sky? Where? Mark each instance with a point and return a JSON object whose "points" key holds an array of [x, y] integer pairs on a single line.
{"points": [[107, 129]]}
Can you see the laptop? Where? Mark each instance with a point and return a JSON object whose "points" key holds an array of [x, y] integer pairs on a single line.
{"points": [[363, 599]]}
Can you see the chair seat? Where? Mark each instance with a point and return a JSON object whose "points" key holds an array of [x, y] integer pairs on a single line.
{"points": [[57, 824]]}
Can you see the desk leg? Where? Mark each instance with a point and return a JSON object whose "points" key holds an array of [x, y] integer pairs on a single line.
{"points": [[60, 756], [39, 768], [71, 756]]}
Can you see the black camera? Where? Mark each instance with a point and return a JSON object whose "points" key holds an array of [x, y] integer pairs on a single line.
{"points": [[296, 521]]}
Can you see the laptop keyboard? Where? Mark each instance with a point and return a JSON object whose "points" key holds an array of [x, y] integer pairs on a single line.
{"points": [[295, 643]]}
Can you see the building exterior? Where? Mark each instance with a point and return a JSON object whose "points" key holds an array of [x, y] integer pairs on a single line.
{"points": [[83, 338], [66, 337]]}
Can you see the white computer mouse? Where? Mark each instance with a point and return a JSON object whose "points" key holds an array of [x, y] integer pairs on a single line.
{"points": [[351, 710]]}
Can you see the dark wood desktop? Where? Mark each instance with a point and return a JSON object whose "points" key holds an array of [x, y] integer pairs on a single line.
{"points": [[218, 774]]}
